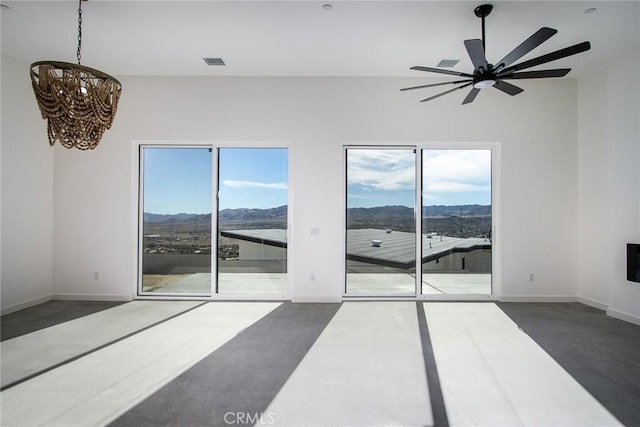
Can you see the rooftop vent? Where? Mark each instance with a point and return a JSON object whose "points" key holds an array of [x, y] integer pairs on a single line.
{"points": [[448, 63], [214, 61]]}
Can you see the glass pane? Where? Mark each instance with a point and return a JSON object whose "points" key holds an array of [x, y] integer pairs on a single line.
{"points": [[176, 223], [252, 220], [381, 239], [456, 222]]}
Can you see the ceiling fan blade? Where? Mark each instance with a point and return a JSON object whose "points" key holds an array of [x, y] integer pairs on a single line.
{"points": [[441, 71], [436, 84], [539, 37], [559, 72], [471, 96], [476, 53], [507, 88], [446, 92], [558, 54]]}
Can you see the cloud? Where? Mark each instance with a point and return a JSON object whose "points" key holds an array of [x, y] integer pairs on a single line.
{"points": [[456, 171], [455, 187], [449, 176], [355, 196], [254, 184], [382, 169]]}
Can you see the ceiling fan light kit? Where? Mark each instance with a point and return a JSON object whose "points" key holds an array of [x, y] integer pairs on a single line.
{"points": [[487, 75], [481, 84], [78, 102]]}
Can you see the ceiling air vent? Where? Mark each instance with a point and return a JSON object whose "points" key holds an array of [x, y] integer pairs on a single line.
{"points": [[214, 61], [448, 63]]}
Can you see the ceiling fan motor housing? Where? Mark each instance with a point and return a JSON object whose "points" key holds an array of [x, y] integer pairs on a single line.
{"points": [[481, 75]]}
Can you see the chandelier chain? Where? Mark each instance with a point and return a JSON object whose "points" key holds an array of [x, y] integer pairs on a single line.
{"points": [[79, 29]]}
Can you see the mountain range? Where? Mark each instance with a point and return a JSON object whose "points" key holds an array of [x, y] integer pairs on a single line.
{"points": [[397, 217], [225, 215], [457, 221], [246, 214]]}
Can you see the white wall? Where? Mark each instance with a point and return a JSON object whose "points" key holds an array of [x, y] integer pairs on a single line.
{"points": [[568, 151], [623, 131], [27, 194], [593, 172], [609, 185], [94, 196]]}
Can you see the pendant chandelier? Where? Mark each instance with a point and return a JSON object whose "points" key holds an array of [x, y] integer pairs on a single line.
{"points": [[78, 102]]}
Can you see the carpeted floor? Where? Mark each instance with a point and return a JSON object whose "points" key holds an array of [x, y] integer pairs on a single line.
{"points": [[431, 368], [600, 352], [48, 314], [263, 356]]}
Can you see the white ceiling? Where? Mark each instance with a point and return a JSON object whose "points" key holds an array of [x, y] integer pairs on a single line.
{"points": [[300, 38]]}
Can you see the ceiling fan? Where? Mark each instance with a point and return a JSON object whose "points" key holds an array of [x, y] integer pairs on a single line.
{"points": [[494, 75]]}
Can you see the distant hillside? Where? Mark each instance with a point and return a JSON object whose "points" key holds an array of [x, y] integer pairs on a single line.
{"points": [[173, 218], [244, 214], [229, 219], [459, 220], [460, 210], [427, 211], [380, 211]]}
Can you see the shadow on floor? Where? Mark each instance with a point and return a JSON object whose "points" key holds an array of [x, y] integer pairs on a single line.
{"points": [[600, 352], [49, 314]]}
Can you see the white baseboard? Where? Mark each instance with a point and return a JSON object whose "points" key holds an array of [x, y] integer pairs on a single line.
{"points": [[538, 298], [26, 304], [593, 303], [318, 300], [623, 316], [93, 297]]}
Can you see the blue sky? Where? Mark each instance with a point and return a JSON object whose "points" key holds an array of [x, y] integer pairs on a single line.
{"points": [[381, 177], [177, 180], [180, 179], [253, 177]]}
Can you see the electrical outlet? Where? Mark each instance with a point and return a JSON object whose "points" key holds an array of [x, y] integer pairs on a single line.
{"points": [[531, 277], [96, 275], [312, 276]]}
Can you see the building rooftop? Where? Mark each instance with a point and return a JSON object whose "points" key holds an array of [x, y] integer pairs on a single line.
{"points": [[269, 236], [397, 248], [375, 246]]}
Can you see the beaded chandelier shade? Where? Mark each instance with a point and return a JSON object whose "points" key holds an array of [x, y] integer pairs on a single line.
{"points": [[78, 102]]}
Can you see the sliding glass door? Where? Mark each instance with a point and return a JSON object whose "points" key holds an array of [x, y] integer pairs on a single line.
{"points": [[252, 221], [176, 221], [180, 214], [381, 222], [456, 222]]}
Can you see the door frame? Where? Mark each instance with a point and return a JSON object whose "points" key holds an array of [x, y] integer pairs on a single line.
{"points": [[496, 238], [496, 257], [416, 217], [137, 194]]}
